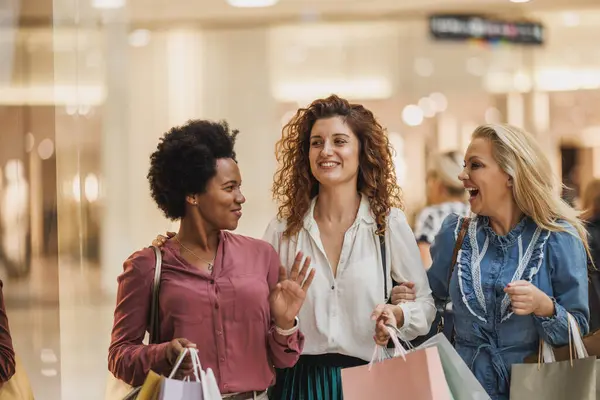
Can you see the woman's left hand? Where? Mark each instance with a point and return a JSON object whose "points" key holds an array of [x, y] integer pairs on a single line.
{"points": [[527, 299], [287, 297], [386, 314]]}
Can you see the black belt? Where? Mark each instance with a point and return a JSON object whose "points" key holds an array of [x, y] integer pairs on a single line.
{"points": [[330, 360]]}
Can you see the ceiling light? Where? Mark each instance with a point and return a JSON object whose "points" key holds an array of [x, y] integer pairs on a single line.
{"points": [[139, 38], [108, 4], [440, 102], [412, 115], [251, 3], [519, 1], [570, 19]]}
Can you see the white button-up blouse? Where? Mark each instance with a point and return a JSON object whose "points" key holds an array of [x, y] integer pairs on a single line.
{"points": [[336, 315]]}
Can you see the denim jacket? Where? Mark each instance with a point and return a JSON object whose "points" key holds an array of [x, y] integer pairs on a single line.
{"points": [[489, 337]]}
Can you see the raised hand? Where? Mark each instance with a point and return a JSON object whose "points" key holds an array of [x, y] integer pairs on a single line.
{"points": [[287, 297]]}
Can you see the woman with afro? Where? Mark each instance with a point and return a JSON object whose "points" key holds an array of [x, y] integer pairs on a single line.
{"points": [[224, 294]]}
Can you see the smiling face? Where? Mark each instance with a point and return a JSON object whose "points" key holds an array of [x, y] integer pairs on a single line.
{"points": [[221, 204], [489, 187], [334, 152]]}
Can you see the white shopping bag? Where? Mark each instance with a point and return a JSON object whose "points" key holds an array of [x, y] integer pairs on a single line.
{"points": [[174, 389], [463, 384]]}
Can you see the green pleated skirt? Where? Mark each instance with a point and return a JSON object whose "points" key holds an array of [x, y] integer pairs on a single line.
{"points": [[315, 377]]}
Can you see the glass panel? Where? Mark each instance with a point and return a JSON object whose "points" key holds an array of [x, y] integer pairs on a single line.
{"points": [[28, 198]]}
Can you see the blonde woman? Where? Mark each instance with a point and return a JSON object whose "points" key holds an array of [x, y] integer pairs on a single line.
{"points": [[445, 196], [523, 263]]}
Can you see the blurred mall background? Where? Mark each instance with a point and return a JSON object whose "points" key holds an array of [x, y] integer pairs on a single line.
{"points": [[88, 86]]}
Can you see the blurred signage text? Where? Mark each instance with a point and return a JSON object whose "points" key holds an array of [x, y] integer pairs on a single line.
{"points": [[466, 27]]}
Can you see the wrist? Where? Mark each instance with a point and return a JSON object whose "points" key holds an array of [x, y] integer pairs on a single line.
{"points": [[399, 315], [285, 324], [546, 307]]}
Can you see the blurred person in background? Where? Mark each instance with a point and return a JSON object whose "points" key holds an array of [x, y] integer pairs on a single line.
{"points": [[591, 207], [225, 294], [445, 195], [7, 354], [522, 267]]}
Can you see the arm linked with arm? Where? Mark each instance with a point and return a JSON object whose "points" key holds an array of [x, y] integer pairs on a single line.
{"points": [[406, 266]]}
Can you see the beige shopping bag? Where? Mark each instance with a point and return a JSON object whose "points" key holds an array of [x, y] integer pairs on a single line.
{"points": [[552, 380], [18, 387]]}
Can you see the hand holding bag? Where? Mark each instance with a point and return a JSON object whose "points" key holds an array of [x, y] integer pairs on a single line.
{"points": [[173, 389], [551, 380], [415, 375]]}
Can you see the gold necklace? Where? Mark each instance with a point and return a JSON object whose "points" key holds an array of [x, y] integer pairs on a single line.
{"points": [[210, 263]]}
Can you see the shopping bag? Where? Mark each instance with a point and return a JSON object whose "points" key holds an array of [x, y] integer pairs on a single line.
{"points": [[17, 387], [557, 380], [415, 375], [461, 381], [151, 387], [200, 389]]}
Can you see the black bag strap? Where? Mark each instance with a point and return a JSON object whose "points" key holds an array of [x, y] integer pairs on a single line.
{"points": [[384, 265], [154, 307]]}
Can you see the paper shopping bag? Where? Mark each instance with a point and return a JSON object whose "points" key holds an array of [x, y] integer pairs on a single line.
{"points": [[554, 381], [17, 387], [150, 390], [461, 381], [173, 389], [417, 377]]}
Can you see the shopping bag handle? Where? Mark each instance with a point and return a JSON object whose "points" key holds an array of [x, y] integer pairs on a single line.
{"points": [[546, 353], [380, 353], [196, 366]]}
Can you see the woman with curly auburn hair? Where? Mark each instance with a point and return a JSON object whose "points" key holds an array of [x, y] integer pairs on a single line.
{"points": [[339, 203]]}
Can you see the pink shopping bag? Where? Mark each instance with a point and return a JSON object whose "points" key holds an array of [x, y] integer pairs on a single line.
{"points": [[418, 377]]}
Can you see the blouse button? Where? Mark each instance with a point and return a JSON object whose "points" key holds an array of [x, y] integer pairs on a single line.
{"points": [[222, 359], [217, 306], [333, 288], [219, 333]]}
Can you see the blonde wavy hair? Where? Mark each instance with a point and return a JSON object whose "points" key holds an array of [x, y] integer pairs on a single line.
{"points": [[535, 188]]}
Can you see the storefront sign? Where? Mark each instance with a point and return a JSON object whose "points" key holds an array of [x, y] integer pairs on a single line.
{"points": [[466, 27]]}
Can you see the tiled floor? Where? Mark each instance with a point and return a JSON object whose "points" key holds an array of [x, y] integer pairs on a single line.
{"points": [[63, 348]]}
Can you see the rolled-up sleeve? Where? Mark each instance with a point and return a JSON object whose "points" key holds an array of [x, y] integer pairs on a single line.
{"points": [[284, 351], [406, 266], [7, 354], [568, 271], [128, 358]]}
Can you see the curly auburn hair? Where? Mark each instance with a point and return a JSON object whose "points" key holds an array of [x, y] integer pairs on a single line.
{"points": [[185, 160], [294, 184]]}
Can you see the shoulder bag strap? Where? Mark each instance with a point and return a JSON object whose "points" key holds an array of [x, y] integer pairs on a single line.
{"points": [[464, 227], [384, 265], [154, 308]]}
